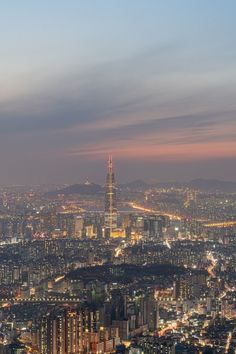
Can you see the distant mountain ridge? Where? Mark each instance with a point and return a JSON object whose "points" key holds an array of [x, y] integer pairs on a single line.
{"points": [[207, 185], [137, 184], [82, 189], [213, 184]]}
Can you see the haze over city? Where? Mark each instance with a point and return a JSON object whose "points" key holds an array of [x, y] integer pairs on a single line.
{"points": [[152, 83]]}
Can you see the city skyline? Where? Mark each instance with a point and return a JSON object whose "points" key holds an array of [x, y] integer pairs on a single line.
{"points": [[153, 85], [117, 177]]}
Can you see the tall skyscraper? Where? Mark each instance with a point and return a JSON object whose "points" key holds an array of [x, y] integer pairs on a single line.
{"points": [[110, 200], [153, 227]]}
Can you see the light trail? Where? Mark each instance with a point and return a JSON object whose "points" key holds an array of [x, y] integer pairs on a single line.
{"points": [[167, 243], [61, 277], [220, 224], [169, 327], [228, 341], [149, 210], [118, 251], [178, 217], [212, 266]]}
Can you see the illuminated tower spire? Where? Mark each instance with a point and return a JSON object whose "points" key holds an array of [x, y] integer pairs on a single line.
{"points": [[110, 200]]}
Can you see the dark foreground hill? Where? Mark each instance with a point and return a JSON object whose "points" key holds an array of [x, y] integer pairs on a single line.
{"points": [[124, 273]]}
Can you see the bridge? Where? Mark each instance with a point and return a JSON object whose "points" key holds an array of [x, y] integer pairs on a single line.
{"points": [[7, 302]]}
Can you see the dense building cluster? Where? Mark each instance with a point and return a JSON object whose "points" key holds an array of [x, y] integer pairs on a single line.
{"points": [[151, 272]]}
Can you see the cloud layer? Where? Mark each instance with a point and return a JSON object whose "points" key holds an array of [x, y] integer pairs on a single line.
{"points": [[165, 110]]}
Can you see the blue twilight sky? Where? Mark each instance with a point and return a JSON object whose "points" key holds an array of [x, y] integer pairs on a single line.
{"points": [[152, 82]]}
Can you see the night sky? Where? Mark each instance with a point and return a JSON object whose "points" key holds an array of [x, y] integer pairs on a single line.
{"points": [[152, 82]]}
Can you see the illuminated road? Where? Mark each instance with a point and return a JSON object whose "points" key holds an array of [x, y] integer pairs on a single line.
{"points": [[167, 243], [168, 328], [229, 338], [220, 224], [59, 278], [118, 251], [148, 210], [211, 267], [208, 224]]}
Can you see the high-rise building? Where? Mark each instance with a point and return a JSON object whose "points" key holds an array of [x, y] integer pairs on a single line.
{"points": [[61, 332], [149, 312], [153, 227], [110, 200], [79, 226], [191, 198]]}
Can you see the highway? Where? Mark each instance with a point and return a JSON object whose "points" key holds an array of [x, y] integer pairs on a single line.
{"points": [[220, 224], [148, 210], [209, 224], [211, 267]]}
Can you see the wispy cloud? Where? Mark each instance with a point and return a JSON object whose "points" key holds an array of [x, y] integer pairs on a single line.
{"points": [[140, 107]]}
